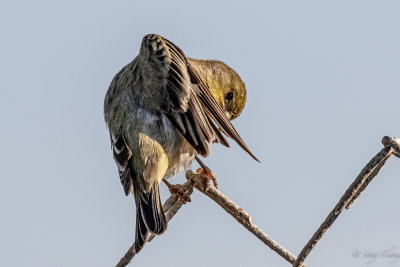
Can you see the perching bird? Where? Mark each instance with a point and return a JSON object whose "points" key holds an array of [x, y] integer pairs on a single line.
{"points": [[160, 115]]}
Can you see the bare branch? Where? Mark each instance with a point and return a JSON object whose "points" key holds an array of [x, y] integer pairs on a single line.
{"points": [[170, 207], [387, 141], [393, 142], [370, 177], [173, 204], [240, 215], [351, 194]]}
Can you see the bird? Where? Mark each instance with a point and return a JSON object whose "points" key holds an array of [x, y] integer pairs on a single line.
{"points": [[161, 115]]}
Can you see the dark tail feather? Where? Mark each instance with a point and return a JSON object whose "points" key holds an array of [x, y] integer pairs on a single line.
{"points": [[150, 217], [141, 232]]}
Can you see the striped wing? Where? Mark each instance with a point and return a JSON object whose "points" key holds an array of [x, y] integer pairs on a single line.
{"points": [[189, 103]]}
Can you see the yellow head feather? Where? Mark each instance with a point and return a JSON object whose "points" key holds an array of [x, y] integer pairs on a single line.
{"points": [[225, 85]]}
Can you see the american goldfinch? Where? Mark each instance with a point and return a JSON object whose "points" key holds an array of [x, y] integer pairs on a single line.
{"points": [[161, 115]]}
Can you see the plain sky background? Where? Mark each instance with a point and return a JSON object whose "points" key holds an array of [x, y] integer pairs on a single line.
{"points": [[323, 89]]}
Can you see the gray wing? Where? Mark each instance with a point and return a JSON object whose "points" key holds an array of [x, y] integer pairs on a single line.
{"points": [[184, 97]]}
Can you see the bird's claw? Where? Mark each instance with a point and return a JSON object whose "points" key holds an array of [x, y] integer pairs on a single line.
{"points": [[206, 175], [177, 189]]}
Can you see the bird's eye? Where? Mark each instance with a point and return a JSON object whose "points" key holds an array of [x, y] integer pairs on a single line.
{"points": [[229, 96]]}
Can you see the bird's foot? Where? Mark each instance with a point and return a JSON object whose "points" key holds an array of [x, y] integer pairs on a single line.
{"points": [[177, 189], [206, 175]]}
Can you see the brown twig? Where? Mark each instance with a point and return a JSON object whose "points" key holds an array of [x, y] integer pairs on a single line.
{"points": [[352, 193], [240, 215], [170, 207], [370, 177], [393, 142], [173, 204], [387, 141]]}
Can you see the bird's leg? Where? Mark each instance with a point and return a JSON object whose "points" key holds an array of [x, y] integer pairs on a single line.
{"points": [[177, 189], [206, 175]]}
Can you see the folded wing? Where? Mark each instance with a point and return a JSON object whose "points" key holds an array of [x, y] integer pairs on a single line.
{"points": [[185, 99]]}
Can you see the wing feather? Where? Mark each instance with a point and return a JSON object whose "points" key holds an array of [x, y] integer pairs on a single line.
{"points": [[122, 154], [192, 109]]}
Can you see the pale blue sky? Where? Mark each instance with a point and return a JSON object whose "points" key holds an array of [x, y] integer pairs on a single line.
{"points": [[323, 89]]}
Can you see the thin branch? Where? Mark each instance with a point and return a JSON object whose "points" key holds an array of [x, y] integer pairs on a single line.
{"points": [[351, 194], [173, 204], [170, 207], [370, 177], [240, 215], [393, 142], [387, 141]]}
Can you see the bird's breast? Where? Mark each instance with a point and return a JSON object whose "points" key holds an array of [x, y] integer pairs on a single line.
{"points": [[157, 126], [180, 153]]}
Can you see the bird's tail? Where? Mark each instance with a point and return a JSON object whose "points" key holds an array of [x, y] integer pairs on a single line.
{"points": [[150, 217]]}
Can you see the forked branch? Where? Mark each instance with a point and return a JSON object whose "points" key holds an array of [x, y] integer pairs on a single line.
{"points": [[173, 204]]}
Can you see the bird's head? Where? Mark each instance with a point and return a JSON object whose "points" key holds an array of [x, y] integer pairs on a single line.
{"points": [[225, 85]]}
